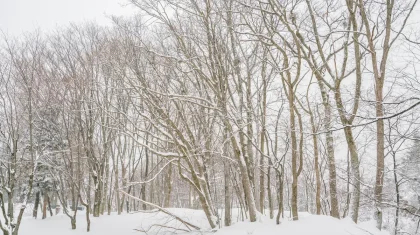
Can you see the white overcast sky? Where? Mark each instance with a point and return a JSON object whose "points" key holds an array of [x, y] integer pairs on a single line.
{"points": [[18, 16]]}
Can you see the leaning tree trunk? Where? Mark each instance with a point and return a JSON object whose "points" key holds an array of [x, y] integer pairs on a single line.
{"points": [[203, 194], [245, 177]]}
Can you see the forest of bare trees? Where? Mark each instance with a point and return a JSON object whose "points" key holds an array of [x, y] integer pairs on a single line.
{"points": [[269, 106]]}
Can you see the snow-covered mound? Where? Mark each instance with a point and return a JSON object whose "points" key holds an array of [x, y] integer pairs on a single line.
{"points": [[158, 223]]}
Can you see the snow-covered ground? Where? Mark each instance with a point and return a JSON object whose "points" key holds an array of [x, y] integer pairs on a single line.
{"points": [[126, 224], [307, 225]]}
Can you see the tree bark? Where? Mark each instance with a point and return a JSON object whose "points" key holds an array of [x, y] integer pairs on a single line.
{"points": [[45, 205], [35, 211], [228, 197], [330, 152], [168, 187]]}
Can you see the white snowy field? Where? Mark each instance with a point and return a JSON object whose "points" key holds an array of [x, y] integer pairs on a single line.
{"points": [[127, 224]]}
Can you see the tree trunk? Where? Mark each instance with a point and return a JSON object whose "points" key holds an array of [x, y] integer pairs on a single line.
{"points": [[354, 159], [88, 218], [332, 172], [35, 211], [44, 205], [280, 197], [146, 174], [380, 154], [263, 132], [397, 192], [73, 223], [262, 167], [316, 164], [292, 120], [270, 196], [168, 187], [203, 196], [228, 199], [49, 206], [97, 195], [348, 197], [330, 152]]}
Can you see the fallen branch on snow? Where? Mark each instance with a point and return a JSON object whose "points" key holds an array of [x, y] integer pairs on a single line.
{"points": [[161, 209]]}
